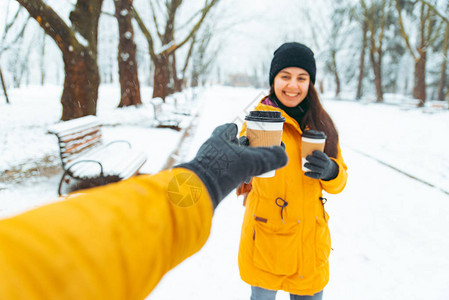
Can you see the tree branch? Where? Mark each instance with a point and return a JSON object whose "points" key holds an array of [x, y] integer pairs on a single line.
{"points": [[403, 33], [190, 19], [9, 25], [19, 35], [156, 24], [382, 25], [206, 10], [52, 24], [432, 35], [432, 7], [145, 32], [189, 55]]}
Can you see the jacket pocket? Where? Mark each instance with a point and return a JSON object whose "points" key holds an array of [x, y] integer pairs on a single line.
{"points": [[276, 251], [322, 242]]}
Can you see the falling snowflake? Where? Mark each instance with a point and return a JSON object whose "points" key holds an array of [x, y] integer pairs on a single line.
{"points": [[124, 56]]}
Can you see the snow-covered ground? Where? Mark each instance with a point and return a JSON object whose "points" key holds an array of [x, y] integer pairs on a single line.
{"points": [[389, 226], [25, 141]]}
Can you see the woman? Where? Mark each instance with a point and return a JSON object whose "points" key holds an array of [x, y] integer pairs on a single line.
{"points": [[285, 240]]}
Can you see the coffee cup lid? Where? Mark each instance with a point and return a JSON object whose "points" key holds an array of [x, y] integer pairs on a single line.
{"points": [[314, 134], [265, 116]]}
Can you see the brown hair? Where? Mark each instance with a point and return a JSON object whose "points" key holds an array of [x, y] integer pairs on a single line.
{"points": [[316, 118]]}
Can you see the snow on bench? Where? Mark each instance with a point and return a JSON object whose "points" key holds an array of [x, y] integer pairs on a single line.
{"points": [[85, 156], [410, 103], [434, 106], [163, 117]]}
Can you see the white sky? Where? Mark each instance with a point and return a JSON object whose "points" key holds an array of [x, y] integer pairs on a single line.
{"points": [[249, 30], [269, 23]]}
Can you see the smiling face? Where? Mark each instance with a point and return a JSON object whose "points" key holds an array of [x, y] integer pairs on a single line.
{"points": [[291, 86]]}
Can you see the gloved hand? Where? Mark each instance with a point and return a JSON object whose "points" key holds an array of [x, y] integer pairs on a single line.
{"points": [[243, 141], [222, 165], [321, 166]]}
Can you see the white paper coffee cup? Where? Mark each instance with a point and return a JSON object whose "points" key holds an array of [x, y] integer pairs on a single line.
{"points": [[264, 129], [311, 140]]}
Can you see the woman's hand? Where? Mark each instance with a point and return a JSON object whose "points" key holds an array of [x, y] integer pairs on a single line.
{"points": [[321, 166]]}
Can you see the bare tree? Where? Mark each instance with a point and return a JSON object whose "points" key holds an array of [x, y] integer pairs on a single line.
{"points": [[201, 62], [17, 61], [330, 35], [443, 17], [79, 52], [42, 62], [334, 42], [441, 94], [428, 31], [359, 92], [375, 16], [181, 81], [7, 26], [161, 59], [129, 81], [4, 86], [442, 83]]}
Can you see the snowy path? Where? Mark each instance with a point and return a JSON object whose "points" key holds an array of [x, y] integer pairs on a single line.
{"points": [[389, 232]]}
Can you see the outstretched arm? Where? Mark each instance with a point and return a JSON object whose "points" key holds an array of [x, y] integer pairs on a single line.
{"points": [[117, 241]]}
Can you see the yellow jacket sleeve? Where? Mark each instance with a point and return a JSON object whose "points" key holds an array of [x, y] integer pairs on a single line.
{"points": [[110, 242], [336, 185]]}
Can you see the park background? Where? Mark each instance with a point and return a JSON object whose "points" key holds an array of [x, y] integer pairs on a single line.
{"points": [[384, 84]]}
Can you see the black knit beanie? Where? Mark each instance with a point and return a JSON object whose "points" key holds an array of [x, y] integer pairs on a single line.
{"points": [[293, 55]]}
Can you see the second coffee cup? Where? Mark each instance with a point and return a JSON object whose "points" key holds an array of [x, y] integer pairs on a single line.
{"points": [[311, 140], [264, 129]]}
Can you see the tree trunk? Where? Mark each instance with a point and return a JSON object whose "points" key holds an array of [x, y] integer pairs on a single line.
{"points": [[443, 79], [176, 80], [129, 80], [80, 94], [161, 77], [359, 93], [42, 62], [336, 77], [377, 69], [4, 86], [419, 90], [160, 59]]}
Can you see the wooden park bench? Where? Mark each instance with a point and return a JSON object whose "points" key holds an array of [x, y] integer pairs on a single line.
{"points": [[162, 117], [409, 103], [86, 158], [182, 102], [434, 106]]}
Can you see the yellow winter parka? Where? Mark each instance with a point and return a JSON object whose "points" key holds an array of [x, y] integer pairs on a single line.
{"points": [[285, 241], [112, 242]]}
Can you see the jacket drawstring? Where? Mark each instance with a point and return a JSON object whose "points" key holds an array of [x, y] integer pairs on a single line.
{"points": [[323, 201], [282, 206]]}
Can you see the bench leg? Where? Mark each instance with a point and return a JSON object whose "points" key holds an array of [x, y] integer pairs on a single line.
{"points": [[60, 182], [81, 161]]}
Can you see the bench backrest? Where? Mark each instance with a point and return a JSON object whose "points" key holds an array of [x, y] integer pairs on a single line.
{"points": [[77, 136]]}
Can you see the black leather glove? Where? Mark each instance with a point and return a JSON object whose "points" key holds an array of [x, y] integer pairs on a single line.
{"points": [[321, 166], [222, 165]]}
